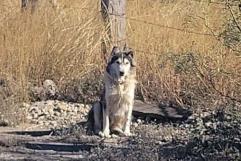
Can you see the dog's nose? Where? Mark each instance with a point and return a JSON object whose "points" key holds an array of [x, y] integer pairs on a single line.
{"points": [[121, 73]]}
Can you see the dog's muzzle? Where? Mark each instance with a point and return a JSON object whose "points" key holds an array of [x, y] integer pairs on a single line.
{"points": [[122, 74]]}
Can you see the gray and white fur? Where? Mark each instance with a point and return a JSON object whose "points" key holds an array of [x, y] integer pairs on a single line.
{"points": [[112, 114]]}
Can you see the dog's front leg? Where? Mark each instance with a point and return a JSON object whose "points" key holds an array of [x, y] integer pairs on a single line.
{"points": [[127, 131], [106, 124]]}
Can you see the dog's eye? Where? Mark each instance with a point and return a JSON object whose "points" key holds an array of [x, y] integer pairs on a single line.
{"points": [[127, 63], [118, 62]]}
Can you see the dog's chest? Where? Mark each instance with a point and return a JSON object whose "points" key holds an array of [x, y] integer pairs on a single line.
{"points": [[119, 98], [123, 92]]}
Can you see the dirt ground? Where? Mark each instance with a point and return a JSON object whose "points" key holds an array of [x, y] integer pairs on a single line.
{"points": [[73, 144], [214, 136]]}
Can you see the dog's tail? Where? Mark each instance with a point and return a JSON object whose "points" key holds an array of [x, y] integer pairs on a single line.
{"points": [[95, 118], [90, 121]]}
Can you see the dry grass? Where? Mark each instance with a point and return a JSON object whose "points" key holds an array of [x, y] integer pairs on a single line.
{"points": [[50, 44], [183, 65], [178, 65]]}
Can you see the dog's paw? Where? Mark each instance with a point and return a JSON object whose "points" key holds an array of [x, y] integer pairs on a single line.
{"points": [[128, 133], [117, 131], [104, 134], [114, 136]]}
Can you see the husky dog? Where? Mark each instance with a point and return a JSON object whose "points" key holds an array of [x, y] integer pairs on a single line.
{"points": [[112, 114]]}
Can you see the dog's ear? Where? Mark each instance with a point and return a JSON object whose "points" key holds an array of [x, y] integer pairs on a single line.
{"points": [[125, 47], [115, 50], [131, 53]]}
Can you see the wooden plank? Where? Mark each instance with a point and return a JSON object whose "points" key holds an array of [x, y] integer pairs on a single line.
{"points": [[32, 133], [72, 147], [65, 147]]}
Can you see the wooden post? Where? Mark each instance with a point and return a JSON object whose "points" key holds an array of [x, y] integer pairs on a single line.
{"points": [[28, 3], [114, 12], [33, 4], [24, 4]]}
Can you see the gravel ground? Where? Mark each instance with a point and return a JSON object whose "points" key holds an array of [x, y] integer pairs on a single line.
{"points": [[211, 135]]}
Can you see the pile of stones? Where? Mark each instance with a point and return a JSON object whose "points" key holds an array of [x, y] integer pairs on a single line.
{"points": [[54, 113]]}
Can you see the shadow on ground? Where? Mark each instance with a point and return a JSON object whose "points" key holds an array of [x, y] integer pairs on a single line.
{"points": [[213, 137]]}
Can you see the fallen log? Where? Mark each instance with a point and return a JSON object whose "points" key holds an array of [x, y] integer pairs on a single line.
{"points": [[160, 112]]}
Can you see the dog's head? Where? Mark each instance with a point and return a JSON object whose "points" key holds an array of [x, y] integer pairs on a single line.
{"points": [[121, 64]]}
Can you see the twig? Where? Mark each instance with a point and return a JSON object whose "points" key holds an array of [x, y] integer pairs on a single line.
{"points": [[234, 18]]}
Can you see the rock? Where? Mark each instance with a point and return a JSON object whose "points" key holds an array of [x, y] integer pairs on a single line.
{"points": [[208, 124], [46, 123], [41, 117], [56, 113], [53, 123], [57, 109], [51, 112], [205, 114], [64, 114], [139, 121], [62, 105], [50, 88], [75, 111], [32, 109], [47, 91], [34, 115], [135, 124], [4, 122], [40, 122], [28, 117]]}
